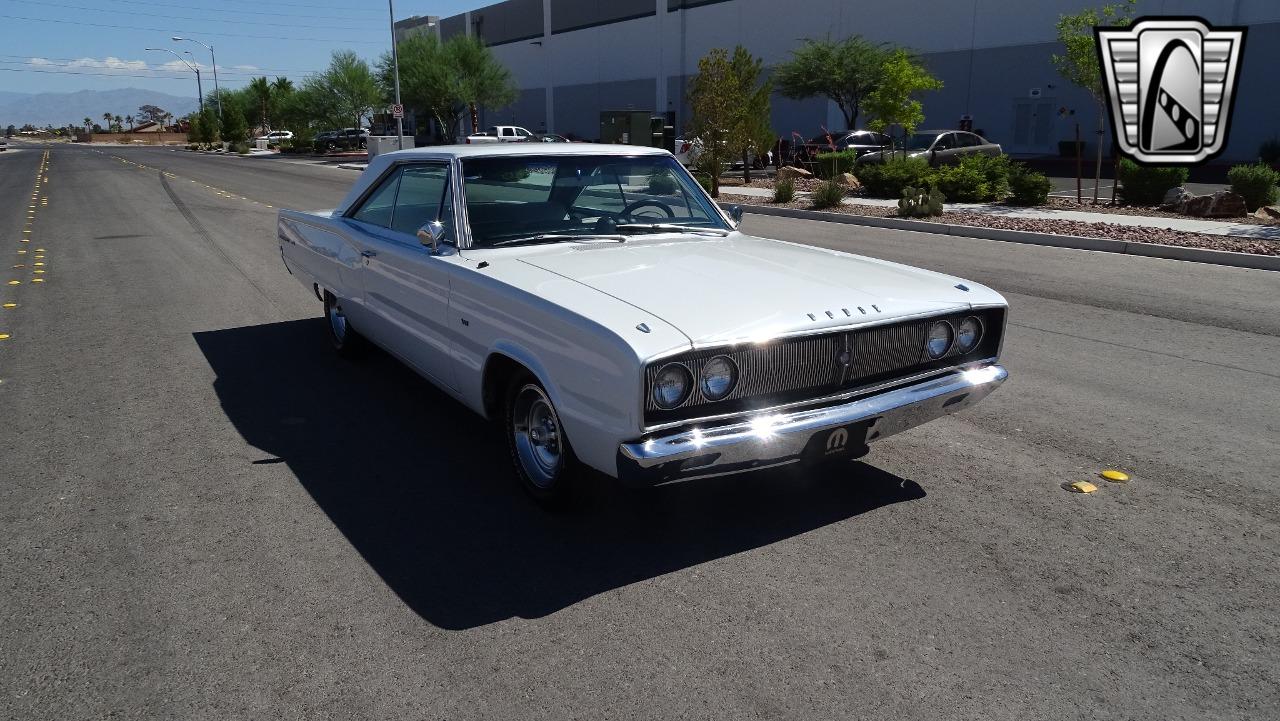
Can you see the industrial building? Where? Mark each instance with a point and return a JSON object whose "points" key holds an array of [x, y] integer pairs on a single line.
{"points": [[573, 59]]}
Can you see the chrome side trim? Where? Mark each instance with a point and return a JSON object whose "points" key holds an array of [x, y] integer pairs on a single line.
{"points": [[773, 439]]}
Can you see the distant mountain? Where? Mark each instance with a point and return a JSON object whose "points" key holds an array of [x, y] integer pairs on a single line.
{"points": [[59, 109]]}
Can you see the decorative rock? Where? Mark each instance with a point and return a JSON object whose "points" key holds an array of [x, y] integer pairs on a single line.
{"points": [[791, 172], [1267, 212], [1176, 196], [1222, 204], [850, 180]]}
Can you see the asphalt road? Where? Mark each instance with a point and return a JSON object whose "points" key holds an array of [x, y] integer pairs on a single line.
{"points": [[206, 515]]}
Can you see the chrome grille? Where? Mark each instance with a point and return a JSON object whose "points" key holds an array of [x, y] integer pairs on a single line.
{"points": [[809, 366]]}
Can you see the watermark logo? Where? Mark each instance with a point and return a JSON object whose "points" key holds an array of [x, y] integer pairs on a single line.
{"points": [[1170, 83]]}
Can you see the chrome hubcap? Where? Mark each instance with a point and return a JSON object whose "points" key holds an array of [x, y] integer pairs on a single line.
{"points": [[536, 430], [337, 321]]}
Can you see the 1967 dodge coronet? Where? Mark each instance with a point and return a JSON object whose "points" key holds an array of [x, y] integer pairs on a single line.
{"points": [[598, 305]]}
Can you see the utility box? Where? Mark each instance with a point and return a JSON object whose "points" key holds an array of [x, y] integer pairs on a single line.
{"points": [[379, 144], [260, 143]]}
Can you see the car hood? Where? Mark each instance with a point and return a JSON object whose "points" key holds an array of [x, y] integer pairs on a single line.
{"points": [[745, 288]]}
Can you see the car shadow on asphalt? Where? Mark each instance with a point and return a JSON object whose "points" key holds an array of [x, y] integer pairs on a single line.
{"points": [[421, 487]]}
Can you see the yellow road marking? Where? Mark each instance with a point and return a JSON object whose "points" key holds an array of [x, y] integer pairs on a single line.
{"points": [[10, 305], [1080, 487], [15, 282], [4, 336], [1115, 476], [37, 280]]}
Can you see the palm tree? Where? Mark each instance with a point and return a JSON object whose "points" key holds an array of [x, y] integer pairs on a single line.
{"points": [[87, 123], [260, 90], [130, 119], [107, 118], [119, 124]]}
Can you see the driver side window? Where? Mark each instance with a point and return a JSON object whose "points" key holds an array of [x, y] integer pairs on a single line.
{"points": [[945, 142]]}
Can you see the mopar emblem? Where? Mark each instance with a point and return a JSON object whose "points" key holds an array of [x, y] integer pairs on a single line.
{"points": [[837, 440], [1171, 83]]}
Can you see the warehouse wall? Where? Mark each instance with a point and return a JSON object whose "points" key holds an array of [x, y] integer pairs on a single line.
{"points": [[990, 54]]}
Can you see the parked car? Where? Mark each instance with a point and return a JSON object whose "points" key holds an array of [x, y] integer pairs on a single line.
{"points": [[940, 147], [276, 136], [596, 304], [687, 152], [345, 139], [859, 141], [501, 134], [549, 138], [4, 145]]}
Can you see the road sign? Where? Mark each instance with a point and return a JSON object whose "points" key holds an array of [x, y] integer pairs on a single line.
{"points": [[397, 111]]}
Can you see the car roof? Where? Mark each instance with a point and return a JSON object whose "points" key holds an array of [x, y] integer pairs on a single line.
{"points": [[379, 164], [503, 149]]}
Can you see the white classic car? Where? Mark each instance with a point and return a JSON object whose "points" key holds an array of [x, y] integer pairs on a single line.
{"points": [[594, 301]]}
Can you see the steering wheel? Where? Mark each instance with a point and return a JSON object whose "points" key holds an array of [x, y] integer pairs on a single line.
{"points": [[629, 211]]}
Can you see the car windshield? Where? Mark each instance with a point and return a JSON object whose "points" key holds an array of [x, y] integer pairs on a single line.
{"points": [[549, 197], [921, 141]]}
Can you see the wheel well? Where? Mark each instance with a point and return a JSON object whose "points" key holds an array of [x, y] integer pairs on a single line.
{"points": [[498, 372]]}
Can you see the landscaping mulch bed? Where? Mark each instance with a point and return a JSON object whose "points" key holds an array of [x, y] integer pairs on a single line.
{"points": [[1135, 234]]}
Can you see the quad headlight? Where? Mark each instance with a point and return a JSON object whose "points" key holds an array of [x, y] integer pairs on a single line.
{"points": [[671, 386], [718, 378], [939, 340], [968, 333]]}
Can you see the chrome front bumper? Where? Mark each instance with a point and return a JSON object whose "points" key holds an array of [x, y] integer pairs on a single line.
{"points": [[766, 440]]}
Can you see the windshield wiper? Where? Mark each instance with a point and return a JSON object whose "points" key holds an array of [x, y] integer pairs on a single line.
{"points": [[673, 228], [557, 237]]}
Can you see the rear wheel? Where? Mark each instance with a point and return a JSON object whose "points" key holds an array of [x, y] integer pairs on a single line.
{"points": [[346, 341], [544, 462]]}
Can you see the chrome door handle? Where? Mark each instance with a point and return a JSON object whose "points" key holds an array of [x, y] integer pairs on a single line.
{"points": [[367, 253]]}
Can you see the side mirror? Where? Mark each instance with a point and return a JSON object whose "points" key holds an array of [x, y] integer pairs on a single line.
{"points": [[431, 234], [735, 214]]}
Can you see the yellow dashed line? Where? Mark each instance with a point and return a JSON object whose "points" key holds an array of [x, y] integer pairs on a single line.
{"points": [[37, 280]]}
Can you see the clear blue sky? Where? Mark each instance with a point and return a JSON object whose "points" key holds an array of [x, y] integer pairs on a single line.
{"points": [[68, 45]]}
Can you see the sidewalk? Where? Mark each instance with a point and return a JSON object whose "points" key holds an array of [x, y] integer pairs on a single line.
{"points": [[1186, 225]]}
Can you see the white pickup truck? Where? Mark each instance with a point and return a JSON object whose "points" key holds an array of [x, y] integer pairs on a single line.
{"points": [[501, 134]]}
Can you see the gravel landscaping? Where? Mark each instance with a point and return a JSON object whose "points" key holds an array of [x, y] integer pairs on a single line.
{"points": [[1135, 234], [1149, 211]]}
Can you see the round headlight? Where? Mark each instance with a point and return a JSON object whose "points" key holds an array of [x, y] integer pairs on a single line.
{"points": [[671, 386], [968, 334], [719, 376], [939, 342]]}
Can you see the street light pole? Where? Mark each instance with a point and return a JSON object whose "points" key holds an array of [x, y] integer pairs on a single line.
{"points": [[395, 63], [196, 70], [216, 90]]}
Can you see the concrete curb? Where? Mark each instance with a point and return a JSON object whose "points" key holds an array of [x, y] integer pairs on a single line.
{"points": [[1150, 250]]}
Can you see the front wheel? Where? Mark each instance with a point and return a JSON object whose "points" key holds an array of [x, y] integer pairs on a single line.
{"points": [[544, 462]]}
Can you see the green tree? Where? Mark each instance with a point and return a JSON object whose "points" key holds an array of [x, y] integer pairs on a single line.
{"points": [[88, 122], [107, 117], [119, 121], [893, 101], [348, 87], [151, 114], [428, 80], [730, 110], [1078, 63], [481, 79], [260, 89], [234, 128], [843, 71], [210, 128]]}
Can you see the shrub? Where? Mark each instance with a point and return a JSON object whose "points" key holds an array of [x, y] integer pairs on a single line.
{"points": [[1147, 185], [704, 180], [242, 148], [1269, 151], [1257, 183], [784, 190], [1028, 187], [829, 165], [889, 179], [921, 202], [962, 183], [828, 194], [995, 172]]}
